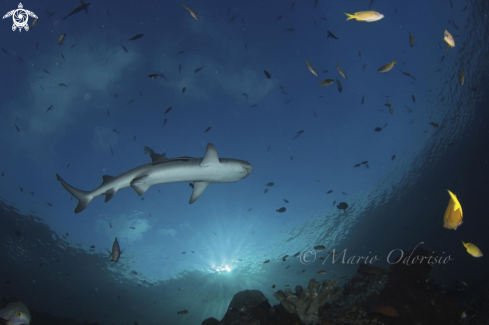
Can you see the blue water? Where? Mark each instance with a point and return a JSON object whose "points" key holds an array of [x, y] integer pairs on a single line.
{"points": [[393, 204]]}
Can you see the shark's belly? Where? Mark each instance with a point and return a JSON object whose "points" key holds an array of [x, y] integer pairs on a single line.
{"points": [[188, 172]]}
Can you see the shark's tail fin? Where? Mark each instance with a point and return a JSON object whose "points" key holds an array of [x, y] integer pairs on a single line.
{"points": [[83, 197]]}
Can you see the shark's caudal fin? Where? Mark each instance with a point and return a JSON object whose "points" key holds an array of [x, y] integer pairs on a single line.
{"points": [[83, 197]]}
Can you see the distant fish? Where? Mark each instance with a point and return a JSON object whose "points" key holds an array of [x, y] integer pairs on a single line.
{"points": [[448, 38], [281, 210], [265, 191], [340, 87], [286, 201], [472, 249], [319, 247], [329, 192], [208, 129], [81, 7], [331, 35], [135, 37], [49, 108], [123, 47], [61, 38], [229, 22], [298, 133], [267, 261], [198, 69], [270, 184], [453, 217], [387, 67], [311, 68], [183, 312], [192, 13], [367, 16], [267, 74], [342, 73]]}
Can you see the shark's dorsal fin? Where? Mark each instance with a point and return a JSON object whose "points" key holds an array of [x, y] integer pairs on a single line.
{"points": [[157, 157], [199, 188], [211, 157], [139, 185], [106, 178]]}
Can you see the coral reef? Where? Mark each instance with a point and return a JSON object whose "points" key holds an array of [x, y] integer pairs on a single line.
{"points": [[306, 303]]}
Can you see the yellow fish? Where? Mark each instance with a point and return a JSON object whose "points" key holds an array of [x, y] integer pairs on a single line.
{"points": [[326, 82], [61, 39], [411, 40], [387, 67], [342, 73], [448, 38], [453, 215], [472, 249], [192, 13], [462, 77], [368, 16], [311, 68]]}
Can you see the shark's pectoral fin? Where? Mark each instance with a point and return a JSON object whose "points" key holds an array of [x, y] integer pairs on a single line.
{"points": [[211, 157], [199, 188], [139, 184], [109, 194]]}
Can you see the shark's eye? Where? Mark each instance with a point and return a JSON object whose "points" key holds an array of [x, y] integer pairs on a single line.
{"points": [[19, 314]]}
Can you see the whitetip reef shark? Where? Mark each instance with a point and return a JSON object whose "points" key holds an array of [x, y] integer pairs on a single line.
{"points": [[200, 171]]}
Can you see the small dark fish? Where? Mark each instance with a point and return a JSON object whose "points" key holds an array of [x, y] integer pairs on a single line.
{"points": [[414, 98], [242, 20], [331, 35], [364, 162], [279, 17], [37, 47], [291, 157], [364, 66], [231, 20], [360, 54], [229, 9], [123, 47], [20, 59], [340, 87], [290, 29], [292, 7], [254, 105], [363, 99], [132, 228], [206, 130], [393, 157], [134, 139], [182, 312], [378, 129], [270, 184], [281, 210], [72, 46], [245, 94], [3, 50], [436, 125], [49, 108], [111, 151], [314, 113], [108, 114], [442, 58], [329, 192], [135, 37], [179, 68], [408, 74], [46, 71], [315, 3], [164, 121], [154, 76], [168, 109], [180, 52], [48, 204], [92, 247], [130, 101], [198, 69], [115, 95], [81, 7], [62, 56], [21, 190], [265, 191], [371, 3], [17, 128], [115, 131], [357, 165], [288, 101], [183, 89], [140, 93], [108, 14], [267, 74], [110, 225], [246, 47], [50, 13], [298, 133]]}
